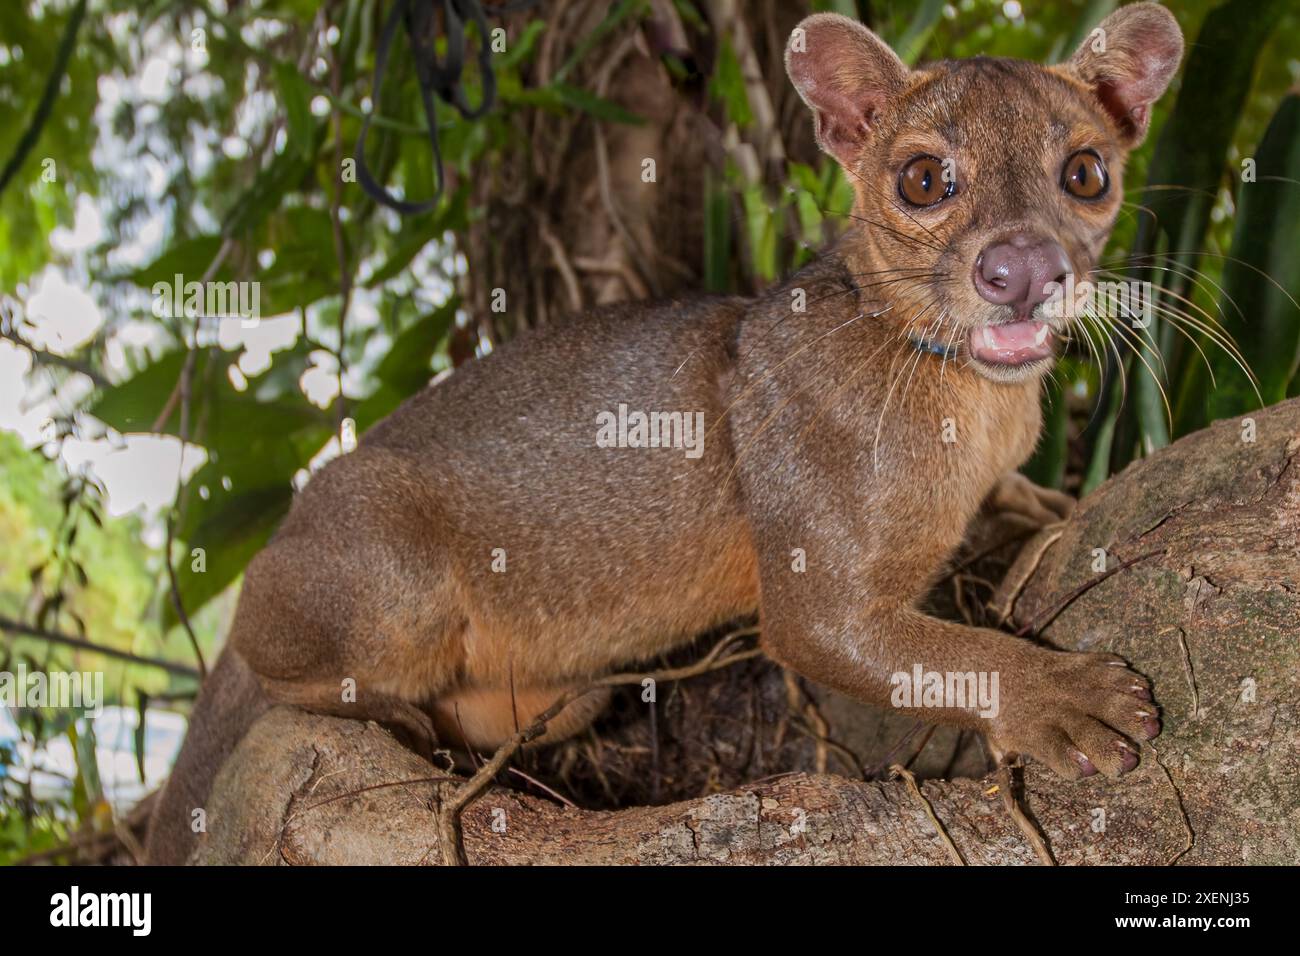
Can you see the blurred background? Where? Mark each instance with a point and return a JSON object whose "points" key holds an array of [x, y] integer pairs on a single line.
{"points": [[147, 452]]}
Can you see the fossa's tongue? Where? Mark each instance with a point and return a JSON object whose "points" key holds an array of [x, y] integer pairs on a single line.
{"points": [[1013, 343]]}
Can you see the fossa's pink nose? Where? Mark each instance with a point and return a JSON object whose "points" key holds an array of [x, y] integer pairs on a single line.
{"points": [[1017, 270]]}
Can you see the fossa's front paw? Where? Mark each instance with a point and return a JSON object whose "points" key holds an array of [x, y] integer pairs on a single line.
{"points": [[1077, 713]]}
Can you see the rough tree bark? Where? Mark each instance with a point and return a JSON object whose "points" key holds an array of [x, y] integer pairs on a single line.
{"points": [[1201, 593]]}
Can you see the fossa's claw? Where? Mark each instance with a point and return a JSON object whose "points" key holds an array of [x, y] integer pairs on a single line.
{"points": [[1075, 713]]}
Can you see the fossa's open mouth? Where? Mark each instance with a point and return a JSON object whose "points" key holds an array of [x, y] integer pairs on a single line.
{"points": [[1011, 343]]}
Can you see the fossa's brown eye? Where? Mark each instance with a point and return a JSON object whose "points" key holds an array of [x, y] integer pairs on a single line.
{"points": [[922, 182], [1085, 175]]}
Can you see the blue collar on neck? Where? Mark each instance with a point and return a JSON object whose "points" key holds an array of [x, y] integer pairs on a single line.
{"points": [[933, 347]]}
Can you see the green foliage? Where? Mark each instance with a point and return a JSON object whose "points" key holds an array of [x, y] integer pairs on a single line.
{"points": [[78, 567], [260, 433], [264, 210], [915, 38], [728, 86], [33, 204], [1186, 172], [62, 552], [1261, 284], [405, 369]]}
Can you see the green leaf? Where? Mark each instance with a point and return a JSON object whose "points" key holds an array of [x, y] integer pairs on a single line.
{"points": [[141, 714], [230, 532], [284, 173], [451, 215], [1261, 280], [1047, 466], [806, 178], [135, 404], [728, 86], [917, 35], [1093, 14], [297, 94], [589, 102], [189, 258], [1184, 177], [762, 226], [402, 255], [612, 19], [221, 419], [1103, 443], [717, 233], [407, 367], [306, 263], [520, 49]]}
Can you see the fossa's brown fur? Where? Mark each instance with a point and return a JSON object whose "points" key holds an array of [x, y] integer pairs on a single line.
{"points": [[825, 438]]}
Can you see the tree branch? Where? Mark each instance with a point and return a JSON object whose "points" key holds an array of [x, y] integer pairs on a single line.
{"points": [[54, 637], [46, 106]]}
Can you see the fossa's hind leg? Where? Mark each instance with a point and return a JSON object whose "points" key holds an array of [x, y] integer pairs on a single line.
{"points": [[352, 610], [413, 726], [485, 718], [1032, 504]]}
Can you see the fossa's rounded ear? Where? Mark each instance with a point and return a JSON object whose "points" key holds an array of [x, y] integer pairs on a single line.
{"points": [[846, 75], [1128, 61]]}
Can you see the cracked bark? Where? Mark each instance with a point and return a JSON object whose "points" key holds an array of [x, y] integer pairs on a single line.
{"points": [[1221, 785]]}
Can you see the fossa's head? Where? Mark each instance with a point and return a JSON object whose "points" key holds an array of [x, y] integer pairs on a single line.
{"points": [[981, 182]]}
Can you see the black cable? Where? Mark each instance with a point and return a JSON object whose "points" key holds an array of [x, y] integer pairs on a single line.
{"points": [[434, 78]]}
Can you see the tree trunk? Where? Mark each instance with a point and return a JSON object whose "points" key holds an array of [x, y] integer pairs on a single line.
{"points": [[1201, 592], [574, 216]]}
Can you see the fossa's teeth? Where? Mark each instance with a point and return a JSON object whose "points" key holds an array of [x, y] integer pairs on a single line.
{"points": [[1041, 336], [988, 338]]}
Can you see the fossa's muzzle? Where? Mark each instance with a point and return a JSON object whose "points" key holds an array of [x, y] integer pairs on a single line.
{"points": [[1018, 270]]}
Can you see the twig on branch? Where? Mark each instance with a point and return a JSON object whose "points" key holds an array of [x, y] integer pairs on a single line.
{"points": [[182, 393], [1018, 815], [1182, 811], [439, 778], [186, 386], [1035, 549], [1036, 626], [1195, 711], [979, 556], [559, 797], [893, 751], [953, 853], [563, 266]]}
